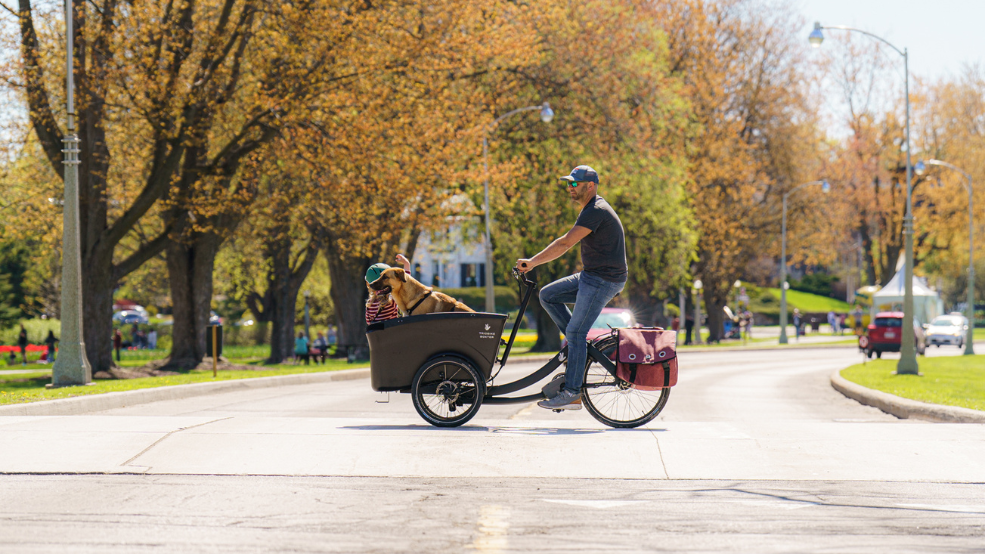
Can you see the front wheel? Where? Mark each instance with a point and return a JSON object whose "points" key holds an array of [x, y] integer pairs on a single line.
{"points": [[615, 402], [447, 391]]}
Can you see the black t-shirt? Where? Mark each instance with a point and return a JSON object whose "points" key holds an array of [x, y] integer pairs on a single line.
{"points": [[603, 251]]}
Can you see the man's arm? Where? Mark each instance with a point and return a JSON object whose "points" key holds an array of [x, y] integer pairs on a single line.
{"points": [[555, 249]]}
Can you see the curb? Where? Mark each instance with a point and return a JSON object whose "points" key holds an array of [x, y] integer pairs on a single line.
{"points": [[111, 400], [904, 408]]}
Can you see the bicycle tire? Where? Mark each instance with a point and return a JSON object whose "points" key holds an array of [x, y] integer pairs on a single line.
{"points": [[442, 386], [615, 402]]}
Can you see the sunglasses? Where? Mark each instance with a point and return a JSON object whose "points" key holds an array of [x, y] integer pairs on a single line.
{"points": [[572, 184]]}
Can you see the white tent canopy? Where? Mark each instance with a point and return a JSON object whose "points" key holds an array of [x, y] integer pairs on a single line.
{"points": [[927, 304]]}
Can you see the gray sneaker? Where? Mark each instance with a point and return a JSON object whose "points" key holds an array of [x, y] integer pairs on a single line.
{"points": [[564, 400]]}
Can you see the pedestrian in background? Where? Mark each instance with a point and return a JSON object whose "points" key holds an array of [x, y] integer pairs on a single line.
{"points": [[832, 321], [319, 348], [152, 339], [50, 341], [22, 344], [797, 322], [301, 348], [688, 328], [117, 342], [841, 323], [747, 324]]}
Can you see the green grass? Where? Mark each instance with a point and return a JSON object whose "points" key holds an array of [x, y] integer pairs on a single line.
{"points": [[952, 380], [16, 389], [808, 302]]}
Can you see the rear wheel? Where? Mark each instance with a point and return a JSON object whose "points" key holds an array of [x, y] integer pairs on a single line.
{"points": [[447, 391], [615, 402]]}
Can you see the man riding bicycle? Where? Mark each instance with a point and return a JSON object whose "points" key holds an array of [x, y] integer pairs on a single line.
{"points": [[603, 255]]}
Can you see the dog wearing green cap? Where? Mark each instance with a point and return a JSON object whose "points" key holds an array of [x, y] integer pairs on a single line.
{"points": [[380, 306]]}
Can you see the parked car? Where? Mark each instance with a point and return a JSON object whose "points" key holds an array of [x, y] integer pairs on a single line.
{"points": [[611, 318], [885, 334], [947, 329], [126, 317]]}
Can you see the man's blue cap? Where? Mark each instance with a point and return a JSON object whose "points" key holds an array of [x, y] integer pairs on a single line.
{"points": [[582, 174]]}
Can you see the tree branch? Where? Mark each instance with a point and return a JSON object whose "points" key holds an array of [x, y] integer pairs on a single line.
{"points": [[144, 253]]}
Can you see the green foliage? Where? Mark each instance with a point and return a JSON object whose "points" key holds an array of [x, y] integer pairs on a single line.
{"points": [[9, 313], [818, 283], [37, 330], [15, 301], [951, 380], [475, 297]]}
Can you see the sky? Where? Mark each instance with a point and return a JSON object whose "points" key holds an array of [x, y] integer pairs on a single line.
{"points": [[941, 35]]}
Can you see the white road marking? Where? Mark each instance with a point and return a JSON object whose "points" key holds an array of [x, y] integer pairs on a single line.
{"points": [[493, 526]]}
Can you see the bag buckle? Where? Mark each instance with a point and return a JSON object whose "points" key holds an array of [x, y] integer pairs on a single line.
{"points": [[648, 357]]}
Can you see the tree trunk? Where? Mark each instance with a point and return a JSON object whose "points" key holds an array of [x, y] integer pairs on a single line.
{"points": [[715, 305], [97, 309], [349, 296], [281, 309], [190, 273]]}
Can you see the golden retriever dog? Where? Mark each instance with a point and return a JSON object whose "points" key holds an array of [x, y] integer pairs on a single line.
{"points": [[413, 298]]}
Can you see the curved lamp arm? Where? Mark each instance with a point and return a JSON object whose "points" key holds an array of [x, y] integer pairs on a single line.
{"points": [[819, 27], [795, 189], [949, 166]]}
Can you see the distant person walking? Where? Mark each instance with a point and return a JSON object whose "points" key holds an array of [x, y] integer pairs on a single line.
{"points": [[746, 324], [301, 348], [688, 327], [857, 316], [152, 339], [22, 344], [117, 343], [841, 323], [50, 341], [797, 323], [319, 348], [833, 321]]}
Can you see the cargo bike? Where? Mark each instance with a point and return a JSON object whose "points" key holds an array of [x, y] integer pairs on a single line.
{"points": [[445, 362]]}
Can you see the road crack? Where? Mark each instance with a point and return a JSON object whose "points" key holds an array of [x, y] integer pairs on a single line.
{"points": [[162, 439]]}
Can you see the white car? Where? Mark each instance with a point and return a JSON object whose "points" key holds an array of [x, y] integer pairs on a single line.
{"points": [[947, 329]]}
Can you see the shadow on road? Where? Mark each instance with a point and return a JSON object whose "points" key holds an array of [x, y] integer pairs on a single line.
{"points": [[504, 430]]}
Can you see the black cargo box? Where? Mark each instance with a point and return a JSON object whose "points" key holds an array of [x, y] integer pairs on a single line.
{"points": [[399, 347]]}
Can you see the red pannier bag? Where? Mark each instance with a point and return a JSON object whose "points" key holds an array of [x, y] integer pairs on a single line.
{"points": [[647, 357]]}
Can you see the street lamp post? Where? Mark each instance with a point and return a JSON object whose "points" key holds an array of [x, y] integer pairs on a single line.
{"points": [[546, 115], [908, 353], [697, 311], [969, 348], [783, 257], [71, 366]]}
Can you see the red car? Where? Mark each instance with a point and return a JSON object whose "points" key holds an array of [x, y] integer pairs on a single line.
{"points": [[885, 334], [611, 317]]}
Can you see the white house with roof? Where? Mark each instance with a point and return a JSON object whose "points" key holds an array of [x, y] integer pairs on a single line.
{"points": [[452, 257]]}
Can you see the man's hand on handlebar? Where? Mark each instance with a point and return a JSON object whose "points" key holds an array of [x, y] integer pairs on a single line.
{"points": [[524, 265]]}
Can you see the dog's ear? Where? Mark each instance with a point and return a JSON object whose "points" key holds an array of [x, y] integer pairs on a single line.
{"points": [[400, 274]]}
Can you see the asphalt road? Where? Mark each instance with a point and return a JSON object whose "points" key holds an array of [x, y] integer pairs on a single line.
{"points": [[754, 452]]}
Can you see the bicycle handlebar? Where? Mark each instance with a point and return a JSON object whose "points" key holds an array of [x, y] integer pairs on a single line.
{"points": [[522, 277]]}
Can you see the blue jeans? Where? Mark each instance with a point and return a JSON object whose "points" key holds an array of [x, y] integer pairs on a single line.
{"points": [[589, 294]]}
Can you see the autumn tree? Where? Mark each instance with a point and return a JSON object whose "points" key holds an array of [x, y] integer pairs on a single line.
{"points": [[742, 69], [618, 110], [950, 126]]}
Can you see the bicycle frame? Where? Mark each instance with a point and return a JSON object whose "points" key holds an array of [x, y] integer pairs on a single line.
{"points": [[492, 395]]}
